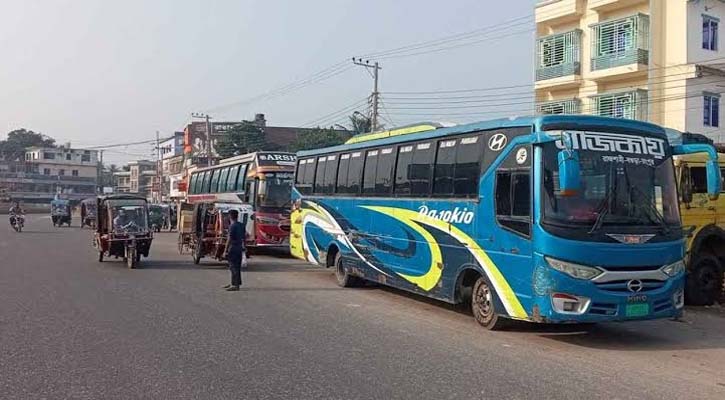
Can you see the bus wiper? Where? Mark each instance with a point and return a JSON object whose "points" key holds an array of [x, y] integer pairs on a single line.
{"points": [[603, 212], [651, 210]]}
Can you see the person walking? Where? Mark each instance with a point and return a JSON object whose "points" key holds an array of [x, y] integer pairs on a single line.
{"points": [[234, 250]]}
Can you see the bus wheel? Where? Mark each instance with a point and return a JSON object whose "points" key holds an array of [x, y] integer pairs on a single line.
{"points": [[344, 279], [483, 307], [704, 281]]}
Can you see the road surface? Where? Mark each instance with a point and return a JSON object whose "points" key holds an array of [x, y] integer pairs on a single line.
{"points": [[71, 327]]}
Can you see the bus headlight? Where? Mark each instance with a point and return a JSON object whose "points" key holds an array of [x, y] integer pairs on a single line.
{"points": [[577, 271], [674, 269]]}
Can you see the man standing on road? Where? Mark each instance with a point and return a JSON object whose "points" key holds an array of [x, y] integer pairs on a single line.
{"points": [[234, 250]]}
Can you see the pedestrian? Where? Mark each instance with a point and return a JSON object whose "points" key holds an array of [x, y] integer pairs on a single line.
{"points": [[234, 251]]}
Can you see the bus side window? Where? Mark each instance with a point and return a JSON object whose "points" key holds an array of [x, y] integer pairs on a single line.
{"points": [[371, 164], [420, 170], [214, 180], [205, 182], [309, 179], [232, 179], [513, 201], [241, 178], [192, 183], [320, 176], [342, 174], [444, 168], [300, 174], [384, 172], [354, 172], [330, 174], [402, 181], [223, 180]]}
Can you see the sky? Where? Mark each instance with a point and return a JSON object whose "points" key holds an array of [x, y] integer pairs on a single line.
{"points": [[109, 71]]}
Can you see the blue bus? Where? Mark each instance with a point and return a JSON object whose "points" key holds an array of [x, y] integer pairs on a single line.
{"points": [[557, 218]]}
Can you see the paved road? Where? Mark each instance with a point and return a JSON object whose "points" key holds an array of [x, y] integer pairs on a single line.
{"points": [[73, 328]]}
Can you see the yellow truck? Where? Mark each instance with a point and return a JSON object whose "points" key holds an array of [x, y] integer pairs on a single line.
{"points": [[704, 222]]}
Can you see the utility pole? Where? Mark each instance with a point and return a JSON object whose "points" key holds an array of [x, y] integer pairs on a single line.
{"points": [[375, 67], [208, 135], [99, 175], [159, 184]]}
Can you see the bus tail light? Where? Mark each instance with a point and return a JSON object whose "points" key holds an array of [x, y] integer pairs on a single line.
{"points": [[569, 304]]}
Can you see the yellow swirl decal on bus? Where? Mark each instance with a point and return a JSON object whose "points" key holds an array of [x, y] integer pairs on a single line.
{"points": [[428, 280], [503, 289]]}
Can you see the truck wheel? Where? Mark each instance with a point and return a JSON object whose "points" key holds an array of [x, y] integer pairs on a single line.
{"points": [[704, 281], [484, 308], [344, 279]]}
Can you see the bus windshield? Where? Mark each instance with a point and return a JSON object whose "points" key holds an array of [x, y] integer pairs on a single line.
{"points": [[618, 191], [275, 191]]}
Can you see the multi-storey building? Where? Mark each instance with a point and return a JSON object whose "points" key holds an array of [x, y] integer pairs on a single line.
{"points": [[172, 166], [652, 60], [47, 171], [139, 179]]}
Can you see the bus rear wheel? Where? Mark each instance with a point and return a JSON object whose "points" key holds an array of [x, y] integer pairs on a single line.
{"points": [[344, 279], [484, 308]]}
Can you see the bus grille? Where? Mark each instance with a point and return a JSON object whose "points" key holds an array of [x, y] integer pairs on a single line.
{"points": [[620, 286]]}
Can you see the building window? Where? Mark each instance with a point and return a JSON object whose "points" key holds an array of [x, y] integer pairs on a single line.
{"points": [[48, 156], [86, 158], [620, 42], [68, 157], [709, 32], [46, 171], [711, 110], [558, 55], [629, 105], [61, 172], [75, 172]]}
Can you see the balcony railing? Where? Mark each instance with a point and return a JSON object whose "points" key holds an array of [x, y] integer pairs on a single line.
{"points": [[620, 42], [569, 106], [46, 178], [629, 105], [558, 55]]}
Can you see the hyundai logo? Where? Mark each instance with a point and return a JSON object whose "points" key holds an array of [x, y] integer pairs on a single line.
{"points": [[497, 142], [635, 285]]}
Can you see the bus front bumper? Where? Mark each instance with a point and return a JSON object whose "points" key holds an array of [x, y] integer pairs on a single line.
{"points": [[562, 299]]}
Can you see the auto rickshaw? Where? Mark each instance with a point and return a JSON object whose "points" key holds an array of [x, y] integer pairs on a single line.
{"points": [[88, 212], [60, 212], [210, 230], [159, 217], [122, 229]]}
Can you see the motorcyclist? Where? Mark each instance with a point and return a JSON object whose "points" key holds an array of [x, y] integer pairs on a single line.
{"points": [[15, 211]]}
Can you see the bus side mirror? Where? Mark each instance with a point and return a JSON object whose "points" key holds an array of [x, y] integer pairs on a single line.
{"points": [[569, 173], [713, 179]]}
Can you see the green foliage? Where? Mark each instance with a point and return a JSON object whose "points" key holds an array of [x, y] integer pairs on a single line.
{"points": [[13, 148], [360, 123], [317, 138], [243, 138]]}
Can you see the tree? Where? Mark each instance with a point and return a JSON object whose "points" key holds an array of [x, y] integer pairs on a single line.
{"points": [[13, 148], [241, 139], [106, 178], [317, 138], [360, 123]]}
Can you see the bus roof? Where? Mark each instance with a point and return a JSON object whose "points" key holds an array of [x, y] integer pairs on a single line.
{"points": [[542, 122], [249, 157]]}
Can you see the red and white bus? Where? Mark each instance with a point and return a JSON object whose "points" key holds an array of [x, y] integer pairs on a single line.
{"points": [[260, 183]]}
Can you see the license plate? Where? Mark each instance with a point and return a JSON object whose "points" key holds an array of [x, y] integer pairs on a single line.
{"points": [[637, 310]]}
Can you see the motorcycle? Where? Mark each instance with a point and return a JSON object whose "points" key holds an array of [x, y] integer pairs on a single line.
{"points": [[17, 222]]}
